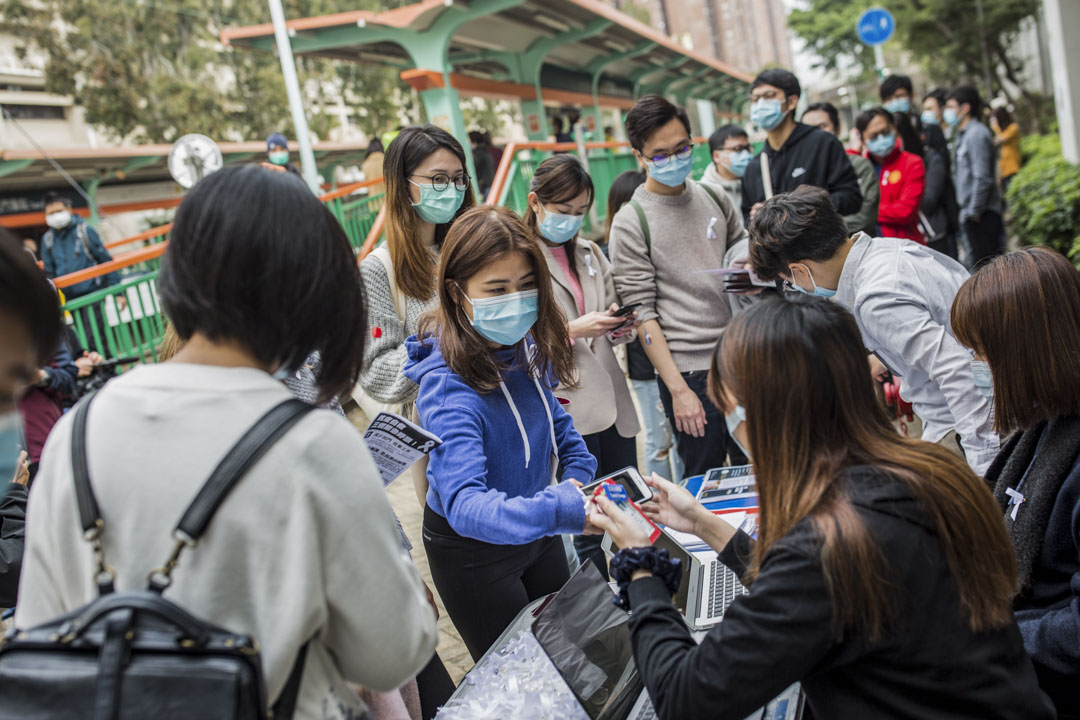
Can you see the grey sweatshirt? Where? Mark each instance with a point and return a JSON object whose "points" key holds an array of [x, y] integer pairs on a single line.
{"points": [[673, 282], [384, 356], [976, 188]]}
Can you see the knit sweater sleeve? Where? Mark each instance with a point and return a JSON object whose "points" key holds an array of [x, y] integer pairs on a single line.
{"points": [[635, 274], [384, 351]]}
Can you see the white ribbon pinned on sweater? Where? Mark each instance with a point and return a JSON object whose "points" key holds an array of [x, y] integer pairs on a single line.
{"points": [[710, 233]]}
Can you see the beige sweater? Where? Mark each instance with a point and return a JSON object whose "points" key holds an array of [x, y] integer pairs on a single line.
{"points": [[673, 281], [304, 548]]}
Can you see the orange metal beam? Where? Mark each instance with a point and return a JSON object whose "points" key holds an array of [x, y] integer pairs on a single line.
{"points": [[126, 260], [429, 80]]}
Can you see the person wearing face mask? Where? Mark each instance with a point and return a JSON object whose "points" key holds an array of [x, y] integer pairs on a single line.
{"points": [[561, 193], [486, 361], [427, 187], [277, 153], [1028, 370], [731, 155], [881, 577], [824, 116], [896, 93], [933, 105], [71, 245], [794, 154], [973, 175], [900, 293], [29, 333], [671, 227], [902, 176]]}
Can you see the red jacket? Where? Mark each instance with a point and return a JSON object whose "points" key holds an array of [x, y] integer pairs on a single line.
{"points": [[903, 180]]}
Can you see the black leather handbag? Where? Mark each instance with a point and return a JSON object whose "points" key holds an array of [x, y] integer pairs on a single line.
{"points": [[136, 655]]}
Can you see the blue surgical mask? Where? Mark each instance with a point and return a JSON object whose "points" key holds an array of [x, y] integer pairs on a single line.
{"points": [[767, 114], [560, 228], [882, 145], [818, 290], [984, 380], [929, 117], [950, 117], [734, 419], [278, 157], [438, 206], [505, 319], [10, 444], [674, 173], [901, 105], [740, 161]]}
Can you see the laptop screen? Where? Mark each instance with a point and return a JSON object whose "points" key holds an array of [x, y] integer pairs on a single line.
{"points": [[586, 637], [675, 550]]}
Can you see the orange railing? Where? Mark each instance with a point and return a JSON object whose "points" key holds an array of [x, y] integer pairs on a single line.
{"points": [[158, 249]]}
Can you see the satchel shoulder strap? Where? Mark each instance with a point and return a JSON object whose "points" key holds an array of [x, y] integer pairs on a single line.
{"points": [[644, 225], [243, 455], [766, 174], [382, 255]]}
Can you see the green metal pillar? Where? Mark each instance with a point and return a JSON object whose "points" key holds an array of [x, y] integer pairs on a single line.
{"points": [[90, 185]]}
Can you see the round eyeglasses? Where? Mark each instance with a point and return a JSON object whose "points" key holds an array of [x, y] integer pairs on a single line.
{"points": [[661, 159], [441, 181]]}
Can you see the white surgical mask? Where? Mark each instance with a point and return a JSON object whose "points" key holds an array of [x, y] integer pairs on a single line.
{"points": [[58, 220]]}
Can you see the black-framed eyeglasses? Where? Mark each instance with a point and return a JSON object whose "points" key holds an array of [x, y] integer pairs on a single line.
{"points": [[441, 181], [661, 159], [740, 148]]}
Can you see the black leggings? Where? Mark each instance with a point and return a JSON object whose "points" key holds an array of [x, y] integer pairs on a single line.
{"points": [[485, 586], [435, 687], [613, 452]]}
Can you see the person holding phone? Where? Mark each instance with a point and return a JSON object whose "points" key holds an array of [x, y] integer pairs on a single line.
{"points": [[486, 363], [583, 286], [882, 577]]}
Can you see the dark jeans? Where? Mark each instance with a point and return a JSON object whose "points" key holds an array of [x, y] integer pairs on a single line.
{"points": [[945, 246], [700, 454], [986, 238], [485, 586], [613, 452]]}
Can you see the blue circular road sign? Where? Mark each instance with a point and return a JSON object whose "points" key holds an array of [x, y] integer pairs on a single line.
{"points": [[875, 26]]}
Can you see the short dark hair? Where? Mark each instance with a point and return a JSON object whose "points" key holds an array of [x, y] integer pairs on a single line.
{"points": [[891, 84], [779, 78], [721, 135], [28, 298], [650, 114], [557, 124], [827, 108], [52, 197], [967, 94], [254, 257], [1031, 295], [792, 227], [867, 115], [939, 94]]}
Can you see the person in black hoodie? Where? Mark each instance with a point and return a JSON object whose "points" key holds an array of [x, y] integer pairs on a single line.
{"points": [[1020, 314], [795, 154], [882, 576]]}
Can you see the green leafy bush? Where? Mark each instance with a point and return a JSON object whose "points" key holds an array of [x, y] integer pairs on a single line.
{"points": [[1044, 197]]}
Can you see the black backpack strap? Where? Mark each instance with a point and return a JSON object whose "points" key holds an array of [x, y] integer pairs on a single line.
{"points": [[89, 514], [644, 225], [285, 706], [255, 443]]}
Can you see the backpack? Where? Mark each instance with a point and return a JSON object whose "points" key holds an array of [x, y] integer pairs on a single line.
{"points": [[80, 231], [645, 223], [135, 654]]}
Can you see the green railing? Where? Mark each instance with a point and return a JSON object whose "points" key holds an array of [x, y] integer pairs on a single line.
{"points": [[131, 328], [358, 217]]}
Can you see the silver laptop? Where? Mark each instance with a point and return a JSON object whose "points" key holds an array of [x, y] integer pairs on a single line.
{"points": [[707, 587]]}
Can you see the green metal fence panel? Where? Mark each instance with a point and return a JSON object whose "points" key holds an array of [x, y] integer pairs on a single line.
{"points": [[358, 215], [132, 327], [702, 159]]}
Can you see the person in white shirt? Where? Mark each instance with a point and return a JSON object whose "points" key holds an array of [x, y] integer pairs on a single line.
{"points": [[901, 294], [258, 274]]}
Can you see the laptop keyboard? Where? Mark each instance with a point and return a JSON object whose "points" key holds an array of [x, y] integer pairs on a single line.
{"points": [[723, 589]]}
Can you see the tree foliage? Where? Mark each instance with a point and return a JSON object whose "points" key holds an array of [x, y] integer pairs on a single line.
{"points": [[153, 70], [944, 35]]}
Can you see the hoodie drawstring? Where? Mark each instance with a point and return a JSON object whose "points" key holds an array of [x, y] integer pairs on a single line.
{"points": [[521, 425]]}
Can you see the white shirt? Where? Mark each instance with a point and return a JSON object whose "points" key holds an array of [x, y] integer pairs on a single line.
{"points": [[901, 294], [303, 548]]}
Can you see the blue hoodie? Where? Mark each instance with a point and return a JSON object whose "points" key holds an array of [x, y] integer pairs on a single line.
{"points": [[481, 479]]}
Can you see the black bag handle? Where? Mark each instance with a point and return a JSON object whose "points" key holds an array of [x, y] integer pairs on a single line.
{"points": [[240, 458]]}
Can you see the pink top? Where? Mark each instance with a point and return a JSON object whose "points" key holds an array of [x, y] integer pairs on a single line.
{"points": [[559, 253]]}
